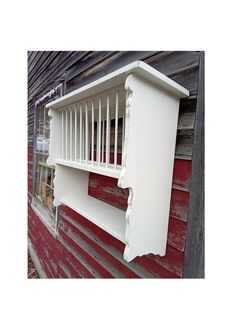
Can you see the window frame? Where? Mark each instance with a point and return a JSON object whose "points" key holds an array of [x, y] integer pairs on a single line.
{"points": [[49, 217]]}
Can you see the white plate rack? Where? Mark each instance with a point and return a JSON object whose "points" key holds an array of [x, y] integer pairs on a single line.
{"points": [[132, 112]]}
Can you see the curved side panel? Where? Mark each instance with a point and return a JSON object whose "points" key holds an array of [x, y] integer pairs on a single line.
{"points": [[147, 165]]}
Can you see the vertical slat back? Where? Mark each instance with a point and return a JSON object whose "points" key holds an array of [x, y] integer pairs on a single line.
{"points": [[94, 122]]}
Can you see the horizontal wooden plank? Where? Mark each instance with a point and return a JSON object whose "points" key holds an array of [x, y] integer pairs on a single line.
{"points": [[58, 254], [115, 62], [172, 61], [144, 266], [115, 266], [43, 56], [31, 56], [56, 69], [179, 204], [177, 233], [172, 261], [50, 74], [184, 144], [187, 115], [33, 76], [88, 63], [106, 189], [182, 174], [188, 80], [84, 253], [33, 60]]}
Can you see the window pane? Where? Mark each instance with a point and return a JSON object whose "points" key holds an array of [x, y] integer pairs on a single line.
{"points": [[44, 174]]}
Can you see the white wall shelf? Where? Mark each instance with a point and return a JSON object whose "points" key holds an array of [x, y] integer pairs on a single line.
{"points": [[132, 113]]}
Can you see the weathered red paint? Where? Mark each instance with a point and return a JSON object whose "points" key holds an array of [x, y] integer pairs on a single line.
{"points": [[176, 233], [182, 173], [43, 242], [179, 204], [154, 268], [109, 258], [56, 254], [100, 270], [166, 262], [106, 189], [172, 261]]}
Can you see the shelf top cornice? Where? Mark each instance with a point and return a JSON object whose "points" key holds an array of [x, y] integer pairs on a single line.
{"points": [[116, 78]]}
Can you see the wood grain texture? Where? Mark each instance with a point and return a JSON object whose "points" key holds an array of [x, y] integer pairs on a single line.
{"points": [[105, 189], [148, 267], [119, 60], [194, 253]]}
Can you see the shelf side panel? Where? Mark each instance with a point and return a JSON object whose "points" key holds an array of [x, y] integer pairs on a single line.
{"points": [[71, 189], [147, 165], [55, 147], [69, 183]]}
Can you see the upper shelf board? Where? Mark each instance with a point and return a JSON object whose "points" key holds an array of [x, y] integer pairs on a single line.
{"points": [[118, 77]]}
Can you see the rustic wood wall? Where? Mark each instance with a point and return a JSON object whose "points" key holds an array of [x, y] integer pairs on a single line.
{"points": [[82, 249]]}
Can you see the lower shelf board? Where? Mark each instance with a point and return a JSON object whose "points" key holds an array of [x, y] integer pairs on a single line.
{"points": [[107, 217], [102, 169]]}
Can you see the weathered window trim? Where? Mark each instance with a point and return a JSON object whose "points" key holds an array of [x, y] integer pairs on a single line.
{"points": [[49, 219]]}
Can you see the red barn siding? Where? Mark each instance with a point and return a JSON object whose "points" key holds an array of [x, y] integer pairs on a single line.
{"points": [[81, 249]]}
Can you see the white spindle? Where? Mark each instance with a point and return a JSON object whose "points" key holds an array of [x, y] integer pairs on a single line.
{"points": [[92, 150], [103, 132], [83, 133], [80, 133], [123, 123], [66, 144], [108, 133], [116, 130], [99, 129], [62, 134], [86, 132], [75, 133], [71, 157]]}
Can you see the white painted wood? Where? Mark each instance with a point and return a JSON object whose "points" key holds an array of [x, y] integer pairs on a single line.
{"points": [[147, 166], [66, 134], [150, 111], [62, 134], [117, 78], [86, 132], [99, 130], [93, 167], [76, 132], [108, 133], [80, 133], [116, 129], [103, 133], [92, 150], [71, 126], [75, 196]]}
